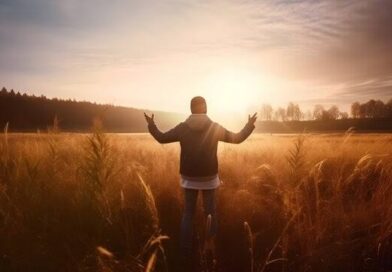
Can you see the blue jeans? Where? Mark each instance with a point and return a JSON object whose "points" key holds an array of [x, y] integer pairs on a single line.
{"points": [[209, 205]]}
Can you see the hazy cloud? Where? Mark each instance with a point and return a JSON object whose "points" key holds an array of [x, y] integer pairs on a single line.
{"points": [[329, 46]]}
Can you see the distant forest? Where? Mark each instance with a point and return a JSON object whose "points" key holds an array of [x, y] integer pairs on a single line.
{"points": [[30, 113], [371, 116], [373, 109]]}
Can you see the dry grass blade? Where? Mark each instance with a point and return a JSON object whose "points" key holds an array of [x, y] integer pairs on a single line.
{"points": [[154, 244], [6, 134], [6, 146], [207, 251], [104, 252], [249, 237], [152, 261], [154, 241], [158, 240], [347, 135], [268, 260], [208, 224], [122, 199]]}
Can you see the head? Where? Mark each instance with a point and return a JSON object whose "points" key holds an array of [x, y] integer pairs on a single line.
{"points": [[198, 105]]}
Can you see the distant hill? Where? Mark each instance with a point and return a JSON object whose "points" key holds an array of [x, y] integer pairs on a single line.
{"points": [[26, 113]]}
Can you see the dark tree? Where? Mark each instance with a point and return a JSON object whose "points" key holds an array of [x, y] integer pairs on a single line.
{"points": [[355, 110], [318, 112], [333, 113], [293, 112], [280, 114], [297, 113], [389, 108]]}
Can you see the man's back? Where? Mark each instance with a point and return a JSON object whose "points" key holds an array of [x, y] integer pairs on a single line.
{"points": [[199, 137]]}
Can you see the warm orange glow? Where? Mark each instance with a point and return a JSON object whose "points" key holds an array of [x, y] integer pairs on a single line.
{"points": [[233, 90]]}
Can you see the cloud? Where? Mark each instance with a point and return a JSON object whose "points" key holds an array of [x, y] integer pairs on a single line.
{"points": [[354, 41], [339, 44], [372, 89]]}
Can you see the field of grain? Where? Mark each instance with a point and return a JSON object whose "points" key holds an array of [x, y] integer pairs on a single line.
{"points": [[109, 202]]}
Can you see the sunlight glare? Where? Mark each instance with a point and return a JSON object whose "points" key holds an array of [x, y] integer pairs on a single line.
{"points": [[233, 90]]}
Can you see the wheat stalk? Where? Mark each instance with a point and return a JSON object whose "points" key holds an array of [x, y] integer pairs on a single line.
{"points": [[150, 201]]}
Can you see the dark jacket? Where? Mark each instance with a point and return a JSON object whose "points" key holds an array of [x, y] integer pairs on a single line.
{"points": [[199, 137]]}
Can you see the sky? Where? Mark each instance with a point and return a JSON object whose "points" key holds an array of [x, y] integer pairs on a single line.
{"points": [[159, 54]]}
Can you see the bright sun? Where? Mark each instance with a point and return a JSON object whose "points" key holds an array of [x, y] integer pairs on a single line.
{"points": [[232, 90]]}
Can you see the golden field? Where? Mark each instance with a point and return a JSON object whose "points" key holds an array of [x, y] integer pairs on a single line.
{"points": [[112, 202]]}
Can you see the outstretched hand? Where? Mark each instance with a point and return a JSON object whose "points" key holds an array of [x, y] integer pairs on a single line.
{"points": [[149, 119], [252, 119]]}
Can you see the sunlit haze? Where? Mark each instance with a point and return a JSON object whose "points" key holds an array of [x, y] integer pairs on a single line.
{"points": [[159, 54]]}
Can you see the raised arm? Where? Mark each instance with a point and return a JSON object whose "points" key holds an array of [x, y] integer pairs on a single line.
{"points": [[162, 137], [236, 138]]}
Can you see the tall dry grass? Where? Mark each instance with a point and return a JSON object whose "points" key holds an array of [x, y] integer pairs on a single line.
{"points": [[106, 202]]}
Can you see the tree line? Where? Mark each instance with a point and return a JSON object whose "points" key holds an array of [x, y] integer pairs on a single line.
{"points": [[30, 113], [24, 112], [371, 109]]}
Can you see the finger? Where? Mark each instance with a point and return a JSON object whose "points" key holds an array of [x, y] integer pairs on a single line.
{"points": [[152, 116], [254, 115], [248, 116]]}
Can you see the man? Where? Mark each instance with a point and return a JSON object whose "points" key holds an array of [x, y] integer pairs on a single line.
{"points": [[198, 137]]}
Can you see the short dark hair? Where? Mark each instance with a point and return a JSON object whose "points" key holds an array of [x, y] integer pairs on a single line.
{"points": [[198, 105]]}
